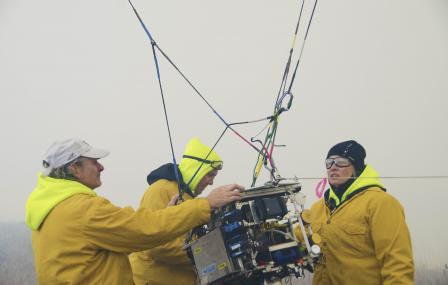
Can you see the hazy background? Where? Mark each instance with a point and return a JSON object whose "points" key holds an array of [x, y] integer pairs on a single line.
{"points": [[374, 71]]}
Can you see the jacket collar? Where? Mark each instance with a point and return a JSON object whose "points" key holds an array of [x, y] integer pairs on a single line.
{"points": [[48, 193], [166, 171], [368, 178]]}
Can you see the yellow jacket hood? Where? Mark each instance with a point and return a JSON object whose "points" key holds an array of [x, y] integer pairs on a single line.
{"points": [[188, 166], [47, 194], [368, 178]]}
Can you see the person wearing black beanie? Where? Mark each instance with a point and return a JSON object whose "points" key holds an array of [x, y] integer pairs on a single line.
{"points": [[364, 236], [345, 162], [351, 150]]}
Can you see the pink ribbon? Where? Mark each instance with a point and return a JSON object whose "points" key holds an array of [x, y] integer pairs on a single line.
{"points": [[320, 187]]}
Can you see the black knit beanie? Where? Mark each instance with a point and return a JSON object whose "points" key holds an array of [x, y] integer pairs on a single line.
{"points": [[351, 150]]}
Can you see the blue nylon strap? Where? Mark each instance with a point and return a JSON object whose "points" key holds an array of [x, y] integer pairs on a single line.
{"points": [[278, 109], [153, 44]]}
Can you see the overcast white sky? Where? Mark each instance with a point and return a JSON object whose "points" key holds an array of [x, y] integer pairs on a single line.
{"points": [[374, 71]]}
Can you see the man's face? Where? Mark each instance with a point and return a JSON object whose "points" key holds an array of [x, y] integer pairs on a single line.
{"points": [[88, 172], [339, 170], [205, 181]]}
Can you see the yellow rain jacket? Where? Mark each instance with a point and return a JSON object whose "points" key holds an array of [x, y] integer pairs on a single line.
{"points": [[365, 240], [80, 238], [169, 264]]}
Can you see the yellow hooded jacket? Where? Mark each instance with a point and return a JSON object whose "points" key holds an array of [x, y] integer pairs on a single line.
{"points": [[80, 238], [169, 264], [365, 240]]}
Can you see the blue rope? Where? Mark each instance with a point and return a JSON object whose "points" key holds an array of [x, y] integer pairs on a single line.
{"points": [[153, 44], [278, 109]]}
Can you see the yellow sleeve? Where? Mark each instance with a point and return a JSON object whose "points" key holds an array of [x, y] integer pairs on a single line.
{"points": [[157, 197], [392, 241], [307, 218], [109, 227]]}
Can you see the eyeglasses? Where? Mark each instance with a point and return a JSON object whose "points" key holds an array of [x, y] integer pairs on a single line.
{"points": [[215, 164], [338, 161]]}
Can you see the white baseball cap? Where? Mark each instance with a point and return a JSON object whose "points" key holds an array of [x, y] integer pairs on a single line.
{"points": [[62, 152]]}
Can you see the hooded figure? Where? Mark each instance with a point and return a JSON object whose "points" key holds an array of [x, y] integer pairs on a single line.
{"points": [[80, 238], [169, 263], [354, 154], [364, 236]]}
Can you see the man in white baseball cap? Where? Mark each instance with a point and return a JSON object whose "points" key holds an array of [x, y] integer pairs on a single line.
{"points": [[81, 238], [62, 152]]}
